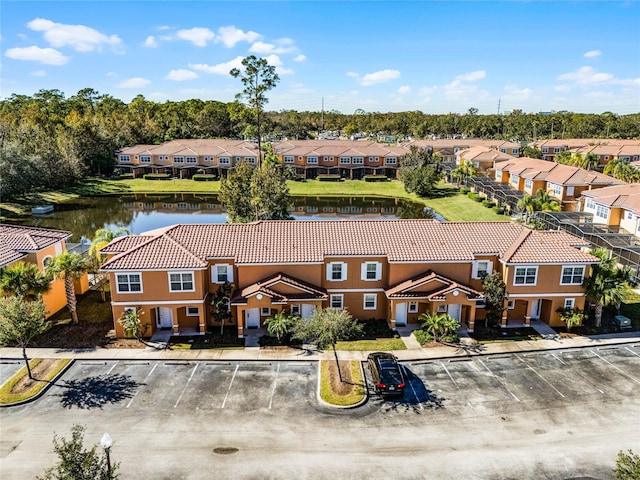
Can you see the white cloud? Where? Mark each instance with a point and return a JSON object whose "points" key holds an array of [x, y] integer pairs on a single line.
{"points": [[426, 91], [299, 58], [180, 75], [48, 56], [586, 76], [151, 42], [79, 37], [163, 27], [282, 45], [592, 53], [462, 88], [277, 62], [353, 75], [404, 89], [38, 73], [111, 74], [381, 76], [220, 68], [472, 76], [231, 35], [513, 94], [136, 82], [198, 36]]}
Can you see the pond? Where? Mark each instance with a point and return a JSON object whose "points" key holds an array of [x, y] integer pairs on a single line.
{"points": [[140, 213]]}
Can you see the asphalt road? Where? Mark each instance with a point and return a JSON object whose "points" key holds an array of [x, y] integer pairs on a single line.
{"points": [[554, 415]]}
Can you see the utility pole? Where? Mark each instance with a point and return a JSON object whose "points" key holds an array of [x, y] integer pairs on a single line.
{"points": [[322, 117], [499, 100]]}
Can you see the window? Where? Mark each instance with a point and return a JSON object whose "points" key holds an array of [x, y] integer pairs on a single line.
{"points": [[572, 276], [412, 307], [181, 282], [251, 160], [498, 174], [312, 160], [345, 160], [336, 301], [556, 149], [327, 159], [221, 273], [128, 283], [481, 268], [225, 160], [193, 312], [629, 216], [288, 159], [178, 159], [371, 271], [503, 150], [295, 309], [441, 309], [145, 158], [358, 160], [545, 149], [514, 151], [555, 189], [337, 271], [602, 212], [125, 158], [511, 304], [528, 183], [265, 312], [569, 303], [46, 261], [525, 276], [370, 301], [374, 159], [515, 179], [390, 160], [590, 203]]}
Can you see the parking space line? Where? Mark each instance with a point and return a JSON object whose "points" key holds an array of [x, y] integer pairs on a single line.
{"points": [[628, 349], [578, 373], [415, 394], [186, 385], [275, 382], [145, 379], [498, 380], [111, 369], [541, 377], [230, 383], [617, 368], [454, 382], [554, 356]]}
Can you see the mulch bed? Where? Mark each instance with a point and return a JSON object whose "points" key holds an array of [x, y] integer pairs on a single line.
{"points": [[41, 370], [345, 387]]}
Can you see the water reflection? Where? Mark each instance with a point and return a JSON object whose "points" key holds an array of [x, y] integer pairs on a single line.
{"points": [[140, 213]]}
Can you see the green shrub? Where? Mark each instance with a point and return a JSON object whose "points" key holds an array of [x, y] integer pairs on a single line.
{"points": [[479, 199], [125, 176], [488, 203], [204, 178], [374, 178], [498, 210], [422, 337], [329, 178], [464, 190], [157, 176]]}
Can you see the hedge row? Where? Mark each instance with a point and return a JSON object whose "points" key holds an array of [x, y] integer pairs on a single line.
{"points": [[204, 178], [157, 176], [329, 178], [374, 178]]}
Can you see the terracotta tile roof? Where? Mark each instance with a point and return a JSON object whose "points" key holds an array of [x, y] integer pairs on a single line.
{"points": [[538, 247], [123, 244], [440, 287], [269, 287], [625, 196], [535, 169], [484, 154], [278, 242], [16, 240]]}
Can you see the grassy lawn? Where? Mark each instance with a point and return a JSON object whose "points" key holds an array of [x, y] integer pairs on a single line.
{"points": [[631, 307], [448, 202], [19, 387], [349, 392], [379, 344]]}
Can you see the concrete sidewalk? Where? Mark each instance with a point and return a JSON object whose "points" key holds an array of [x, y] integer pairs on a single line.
{"points": [[311, 353]]}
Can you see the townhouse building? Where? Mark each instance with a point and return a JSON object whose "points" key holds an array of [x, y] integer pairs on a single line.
{"points": [[383, 269], [447, 148], [483, 158], [605, 153], [550, 148], [615, 206], [38, 246], [563, 182]]}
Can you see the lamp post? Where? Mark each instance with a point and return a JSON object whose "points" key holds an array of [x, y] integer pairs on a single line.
{"points": [[106, 441]]}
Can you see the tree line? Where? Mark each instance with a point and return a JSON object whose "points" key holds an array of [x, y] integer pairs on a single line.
{"points": [[49, 141]]}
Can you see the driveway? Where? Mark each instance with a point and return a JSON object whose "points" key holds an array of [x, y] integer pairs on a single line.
{"points": [[553, 415]]}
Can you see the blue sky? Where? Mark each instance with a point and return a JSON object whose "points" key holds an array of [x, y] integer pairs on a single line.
{"points": [[436, 57]]}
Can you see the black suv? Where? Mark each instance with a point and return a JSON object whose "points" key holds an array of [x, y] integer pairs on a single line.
{"points": [[387, 374]]}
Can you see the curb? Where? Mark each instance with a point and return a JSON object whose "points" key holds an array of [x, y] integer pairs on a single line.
{"points": [[44, 390], [342, 407]]}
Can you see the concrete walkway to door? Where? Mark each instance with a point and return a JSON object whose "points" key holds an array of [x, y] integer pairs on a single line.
{"points": [[406, 335]]}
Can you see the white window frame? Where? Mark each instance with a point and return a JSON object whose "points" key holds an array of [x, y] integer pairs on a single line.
{"points": [[190, 312], [412, 307], [182, 281], [312, 160], [288, 159], [370, 298], [251, 160], [515, 151], [265, 312], [525, 275], [476, 270], [296, 309], [145, 158], [366, 271], [441, 308], [125, 158], [345, 160], [390, 161], [357, 160], [545, 149], [515, 179], [590, 204], [629, 215], [46, 261], [528, 183], [503, 150], [335, 299], [569, 303], [192, 159], [215, 277], [511, 304], [331, 271], [128, 282], [572, 274], [556, 189], [498, 174], [224, 161], [374, 159], [602, 212], [178, 159], [556, 149]]}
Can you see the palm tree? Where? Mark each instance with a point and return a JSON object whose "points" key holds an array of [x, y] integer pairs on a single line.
{"points": [[102, 238], [545, 203], [464, 170], [438, 325], [526, 204], [69, 267], [24, 279], [607, 284], [280, 324]]}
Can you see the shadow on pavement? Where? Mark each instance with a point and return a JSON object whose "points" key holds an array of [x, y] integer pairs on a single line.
{"points": [[94, 392], [416, 398]]}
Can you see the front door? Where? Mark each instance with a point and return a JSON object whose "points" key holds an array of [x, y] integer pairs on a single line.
{"points": [[535, 309], [252, 317], [307, 310], [401, 314], [454, 311], [165, 317]]}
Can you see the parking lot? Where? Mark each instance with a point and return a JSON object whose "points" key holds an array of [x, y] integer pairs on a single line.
{"points": [[562, 414]]}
